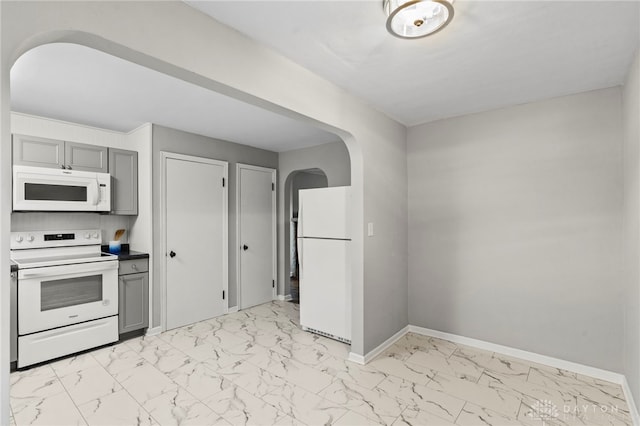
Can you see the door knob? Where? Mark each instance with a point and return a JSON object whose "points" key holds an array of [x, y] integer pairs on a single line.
{"points": [[172, 253], [245, 247]]}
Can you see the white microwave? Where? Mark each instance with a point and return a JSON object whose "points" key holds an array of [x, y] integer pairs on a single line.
{"points": [[44, 189]]}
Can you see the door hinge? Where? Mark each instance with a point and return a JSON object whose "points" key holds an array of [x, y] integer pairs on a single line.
{"points": [[273, 186], [223, 182], [223, 294], [273, 283]]}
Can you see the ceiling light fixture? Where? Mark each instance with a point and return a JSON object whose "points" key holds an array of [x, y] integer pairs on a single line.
{"points": [[417, 18]]}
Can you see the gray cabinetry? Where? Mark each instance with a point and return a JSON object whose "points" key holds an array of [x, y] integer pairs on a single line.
{"points": [[133, 303], [89, 158], [42, 152], [123, 168], [37, 152]]}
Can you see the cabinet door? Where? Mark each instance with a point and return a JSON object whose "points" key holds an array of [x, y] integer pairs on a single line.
{"points": [[133, 309], [123, 167], [88, 158], [37, 152]]}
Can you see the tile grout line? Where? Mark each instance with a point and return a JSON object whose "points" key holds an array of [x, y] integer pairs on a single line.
{"points": [[127, 390], [69, 395], [455, 421]]}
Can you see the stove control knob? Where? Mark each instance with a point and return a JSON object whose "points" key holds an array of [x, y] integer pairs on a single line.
{"points": [[95, 235], [30, 238], [87, 236], [19, 238]]}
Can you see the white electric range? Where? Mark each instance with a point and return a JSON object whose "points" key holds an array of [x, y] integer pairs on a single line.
{"points": [[67, 298]]}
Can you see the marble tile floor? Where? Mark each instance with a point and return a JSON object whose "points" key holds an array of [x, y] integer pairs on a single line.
{"points": [[257, 367]]}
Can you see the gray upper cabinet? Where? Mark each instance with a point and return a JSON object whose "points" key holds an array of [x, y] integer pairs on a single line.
{"points": [[37, 152], [88, 158], [123, 167], [42, 152]]}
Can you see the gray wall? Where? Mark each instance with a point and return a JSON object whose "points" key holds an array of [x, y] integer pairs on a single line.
{"points": [[304, 180], [146, 33], [166, 139], [333, 160], [631, 113], [515, 220]]}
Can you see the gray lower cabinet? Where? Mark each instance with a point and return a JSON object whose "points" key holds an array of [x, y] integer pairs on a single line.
{"points": [[42, 152], [133, 300], [123, 168]]}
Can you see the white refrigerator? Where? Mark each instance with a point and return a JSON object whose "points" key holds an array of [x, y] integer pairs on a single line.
{"points": [[324, 240]]}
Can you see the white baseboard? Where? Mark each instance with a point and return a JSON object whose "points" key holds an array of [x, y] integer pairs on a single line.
{"points": [[631, 403], [232, 309], [598, 373], [359, 359], [153, 331], [284, 298]]}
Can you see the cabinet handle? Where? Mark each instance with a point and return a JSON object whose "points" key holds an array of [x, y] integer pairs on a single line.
{"points": [[13, 275], [134, 266]]}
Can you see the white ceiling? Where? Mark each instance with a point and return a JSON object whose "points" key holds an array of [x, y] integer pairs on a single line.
{"points": [[493, 54], [82, 85]]}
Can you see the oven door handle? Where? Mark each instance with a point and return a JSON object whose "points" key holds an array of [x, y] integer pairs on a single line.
{"points": [[54, 271]]}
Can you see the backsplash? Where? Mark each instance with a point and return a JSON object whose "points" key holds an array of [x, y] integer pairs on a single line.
{"points": [[49, 221]]}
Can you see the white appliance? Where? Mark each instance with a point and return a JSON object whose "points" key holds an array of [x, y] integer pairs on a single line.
{"points": [[45, 189], [67, 293], [324, 241]]}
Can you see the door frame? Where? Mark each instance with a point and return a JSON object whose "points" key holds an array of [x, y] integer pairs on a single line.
{"points": [[274, 242], [164, 156]]}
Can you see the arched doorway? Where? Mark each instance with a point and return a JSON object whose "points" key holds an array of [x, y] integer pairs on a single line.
{"points": [[94, 25], [297, 180]]}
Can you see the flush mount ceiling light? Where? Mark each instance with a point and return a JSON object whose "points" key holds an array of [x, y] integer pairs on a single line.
{"points": [[417, 18]]}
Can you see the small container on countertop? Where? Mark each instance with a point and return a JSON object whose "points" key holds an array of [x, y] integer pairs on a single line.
{"points": [[114, 247]]}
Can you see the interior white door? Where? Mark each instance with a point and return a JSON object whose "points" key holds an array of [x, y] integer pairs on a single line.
{"points": [[196, 239], [256, 234]]}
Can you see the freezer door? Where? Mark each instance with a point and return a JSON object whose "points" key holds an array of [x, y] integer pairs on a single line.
{"points": [[325, 286], [322, 213]]}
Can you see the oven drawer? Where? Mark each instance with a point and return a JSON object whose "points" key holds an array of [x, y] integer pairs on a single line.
{"points": [[133, 266], [62, 341]]}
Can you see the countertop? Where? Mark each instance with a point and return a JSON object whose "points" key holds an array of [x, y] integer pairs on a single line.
{"points": [[130, 255], [126, 253]]}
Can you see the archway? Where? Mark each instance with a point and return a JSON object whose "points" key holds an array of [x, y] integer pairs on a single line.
{"points": [[297, 180], [94, 25]]}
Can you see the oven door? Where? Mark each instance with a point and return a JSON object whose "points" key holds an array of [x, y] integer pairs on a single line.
{"points": [[56, 296]]}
